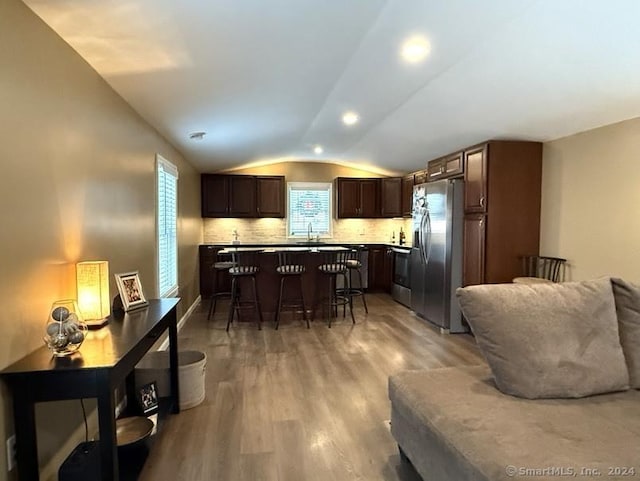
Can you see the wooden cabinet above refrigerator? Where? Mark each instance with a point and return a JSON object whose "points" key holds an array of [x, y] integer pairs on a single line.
{"points": [[446, 167]]}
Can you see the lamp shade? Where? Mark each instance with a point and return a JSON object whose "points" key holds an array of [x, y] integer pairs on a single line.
{"points": [[92, 283]]}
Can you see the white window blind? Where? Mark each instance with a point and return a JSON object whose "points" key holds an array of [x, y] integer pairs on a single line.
{"points": [[167, 227], [309, 203]]}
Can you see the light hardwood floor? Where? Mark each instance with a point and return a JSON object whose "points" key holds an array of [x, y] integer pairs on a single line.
{"points": [[300, 404]]}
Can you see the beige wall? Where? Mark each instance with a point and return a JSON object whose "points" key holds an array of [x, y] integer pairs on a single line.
{"points": [[306, 171], [590, 199], [275, 230], [77, 183]]}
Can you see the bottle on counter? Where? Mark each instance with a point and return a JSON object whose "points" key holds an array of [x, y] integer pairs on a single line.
{"points": [[393, 237], [235, 237], [401, 237]]}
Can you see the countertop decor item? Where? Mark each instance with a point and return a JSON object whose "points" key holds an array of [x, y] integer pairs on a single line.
{"points": [[235, 237], [92, 284], [65, 328]]}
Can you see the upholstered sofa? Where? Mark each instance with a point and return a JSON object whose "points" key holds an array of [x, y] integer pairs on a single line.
{"points": [[558, 398]]}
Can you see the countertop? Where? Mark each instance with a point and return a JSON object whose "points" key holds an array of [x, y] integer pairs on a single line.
{"points": [[302, 245]]}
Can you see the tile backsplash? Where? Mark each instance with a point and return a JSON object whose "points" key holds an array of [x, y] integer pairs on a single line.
{"points": [[366, 231]]}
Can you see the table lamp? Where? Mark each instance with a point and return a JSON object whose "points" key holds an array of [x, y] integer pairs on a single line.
{"points": [[92, 283]]}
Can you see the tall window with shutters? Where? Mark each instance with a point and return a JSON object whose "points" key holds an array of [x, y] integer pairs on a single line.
{"points": [[167, 227], [309, 206]]}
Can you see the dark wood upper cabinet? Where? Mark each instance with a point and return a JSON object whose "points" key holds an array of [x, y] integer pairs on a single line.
{"points": [[435, 169], [357, 197], [270, 192], [407, 196], [391, 197], [242, 196], [445, 167], [420, 177], [369, 198], [475, 179], [454, 165], [348, 197], [215, 195]]}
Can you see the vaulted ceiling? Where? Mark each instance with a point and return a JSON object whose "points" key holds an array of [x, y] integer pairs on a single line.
{"points": [[269, 80]]}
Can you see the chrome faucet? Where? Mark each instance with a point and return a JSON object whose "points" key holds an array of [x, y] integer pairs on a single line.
{"points": [[309, 231]]}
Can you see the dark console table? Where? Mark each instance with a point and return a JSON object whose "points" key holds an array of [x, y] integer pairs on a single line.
{"points": [[104, 362]]}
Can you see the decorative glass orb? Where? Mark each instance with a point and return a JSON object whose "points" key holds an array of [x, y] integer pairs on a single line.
{"points": [[65, 329]]}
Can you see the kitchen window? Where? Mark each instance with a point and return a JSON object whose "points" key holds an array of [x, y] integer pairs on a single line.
{"points": [[167, 225], [309, 209]]}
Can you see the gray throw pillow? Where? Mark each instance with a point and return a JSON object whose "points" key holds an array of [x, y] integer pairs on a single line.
{"points": [[548, 340], [627, 297]]}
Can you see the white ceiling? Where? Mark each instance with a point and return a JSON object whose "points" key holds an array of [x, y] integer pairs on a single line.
{"points": [[269, 79]]}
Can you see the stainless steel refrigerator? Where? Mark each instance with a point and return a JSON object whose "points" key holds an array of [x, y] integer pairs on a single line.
{"points": [[436, 255]]}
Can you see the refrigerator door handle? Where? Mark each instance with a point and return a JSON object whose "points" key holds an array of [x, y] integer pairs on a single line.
{"points": [[423, 258], [419, 239], [427, 245]]}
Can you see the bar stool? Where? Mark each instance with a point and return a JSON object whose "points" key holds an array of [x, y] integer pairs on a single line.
{"points": [[290, 266], [334, 265], [353, 263], [217, 268], [245, 267]]}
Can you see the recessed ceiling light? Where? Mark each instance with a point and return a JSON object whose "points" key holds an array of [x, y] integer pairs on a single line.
{"points": [[415, 49], [197, 135], [318, 149], [350, 118]]}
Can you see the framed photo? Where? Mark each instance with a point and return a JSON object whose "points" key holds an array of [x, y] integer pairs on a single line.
{"points": [[148, 397], [130, 290]]}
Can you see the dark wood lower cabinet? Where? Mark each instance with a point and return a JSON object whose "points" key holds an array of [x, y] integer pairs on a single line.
{"points": [[380, 269], [474, 249], [208, 257]]}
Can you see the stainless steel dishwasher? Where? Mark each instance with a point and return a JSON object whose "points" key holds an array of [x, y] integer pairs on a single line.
{"points": [[401, 284]]}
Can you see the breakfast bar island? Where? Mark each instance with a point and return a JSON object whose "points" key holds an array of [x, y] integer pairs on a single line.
{"points": [[314, 285]]}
